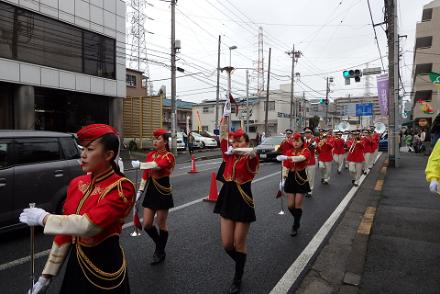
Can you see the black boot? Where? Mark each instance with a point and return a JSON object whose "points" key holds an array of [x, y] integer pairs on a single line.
{"points": [[296, 221], [293, 213], [154, 235], [239, 269], [232, 253], [159, 254]]}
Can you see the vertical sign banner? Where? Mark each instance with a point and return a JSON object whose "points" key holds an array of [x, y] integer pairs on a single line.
{"points": [[382, 92]]}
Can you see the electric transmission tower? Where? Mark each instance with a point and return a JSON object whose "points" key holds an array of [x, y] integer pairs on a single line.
{"points": [[260, 62], [136, 38]]}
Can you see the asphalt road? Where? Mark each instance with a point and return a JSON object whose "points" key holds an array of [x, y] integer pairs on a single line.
{"points": [[196, 262]]}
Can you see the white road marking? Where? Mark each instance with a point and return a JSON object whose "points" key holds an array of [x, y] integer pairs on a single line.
{"points": [[26, 259], [298, 266]]}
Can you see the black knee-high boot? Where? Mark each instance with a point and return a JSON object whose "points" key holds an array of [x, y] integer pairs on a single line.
{"points": [[154, 235], [240, 261], [297, 218], [293, 212], [232, 253], [163, 239]]}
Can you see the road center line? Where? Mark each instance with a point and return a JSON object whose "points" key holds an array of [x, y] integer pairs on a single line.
{"points": [[298, 266], [40, 254]]}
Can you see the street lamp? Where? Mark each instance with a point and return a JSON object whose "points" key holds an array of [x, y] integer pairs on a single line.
{"points": [[230, 50]]}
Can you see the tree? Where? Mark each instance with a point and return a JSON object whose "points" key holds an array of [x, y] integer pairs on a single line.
{"points": [[314, 122]]}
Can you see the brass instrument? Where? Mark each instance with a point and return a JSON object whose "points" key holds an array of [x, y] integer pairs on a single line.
{"points": [[380, 127]]}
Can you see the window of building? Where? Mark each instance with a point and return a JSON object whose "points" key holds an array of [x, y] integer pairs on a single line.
{"points": [[206, 109], [271, 105], [423, 68], [131, 80], [252, 129], [427, 14], [425, 95], [34, 38], [424, 42]]}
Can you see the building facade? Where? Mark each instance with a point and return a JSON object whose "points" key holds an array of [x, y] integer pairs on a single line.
{"points": [[345, 107], [184, 115], [425, 98], [62, 63], [136, 83]]}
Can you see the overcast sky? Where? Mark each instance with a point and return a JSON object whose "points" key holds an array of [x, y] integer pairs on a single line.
{"points": [[333, 35]]}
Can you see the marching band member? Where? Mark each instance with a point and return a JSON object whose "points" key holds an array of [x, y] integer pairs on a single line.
{"points": [[346, 137], [284, 147], [368, 143], [339, 151], [235, 203], [156, 187], [297, 183], [355, 157], [310, 143], [376, 139], [96, 205], [325, 158]]}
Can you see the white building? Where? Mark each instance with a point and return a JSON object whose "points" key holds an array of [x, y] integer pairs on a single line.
{"points": [[62, 63], [278, 113]]}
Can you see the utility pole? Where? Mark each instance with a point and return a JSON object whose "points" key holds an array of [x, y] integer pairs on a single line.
{"points": [[393, 91], [218, 82], [293, 101], [327, 90], [247, 101], [266, 116], [173, 78]]}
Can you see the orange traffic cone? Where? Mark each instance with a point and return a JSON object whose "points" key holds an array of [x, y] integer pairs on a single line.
{"points": [[193, 165], [213, 194]]}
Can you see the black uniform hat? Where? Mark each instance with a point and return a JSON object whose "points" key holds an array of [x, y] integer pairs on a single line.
{"points": [[288, 131]]}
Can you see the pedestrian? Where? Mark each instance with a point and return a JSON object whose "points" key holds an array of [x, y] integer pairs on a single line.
{"points": [[297, 182], [263, 137], [235, 203], [257, 138], [339, 151], [432, 170], [325, 158], [425, 138], [310, 143], [156, 188], [190, 143], [417, 142], [435, 130], [375, 136], [90, 226], [355, 157]]}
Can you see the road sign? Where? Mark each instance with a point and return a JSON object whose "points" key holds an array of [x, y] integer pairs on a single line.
{"points": [[371, 71], [364, 109]]}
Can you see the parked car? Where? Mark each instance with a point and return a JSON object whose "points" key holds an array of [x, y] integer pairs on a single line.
{"points": [[202, 141], [383, 142], [211, 135], [180, 141], [35, 166], [267, 150]]}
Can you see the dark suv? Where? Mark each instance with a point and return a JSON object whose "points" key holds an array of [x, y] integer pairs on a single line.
{"points": [[35, 166]]}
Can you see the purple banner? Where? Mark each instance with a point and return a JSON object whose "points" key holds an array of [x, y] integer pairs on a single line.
{"points": [[382, 93]]}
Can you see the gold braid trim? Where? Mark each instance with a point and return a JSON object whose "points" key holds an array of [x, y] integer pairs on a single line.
{"points": [[87, 265], [298, 178], [117, 184], [246, 198], [160, 188]]}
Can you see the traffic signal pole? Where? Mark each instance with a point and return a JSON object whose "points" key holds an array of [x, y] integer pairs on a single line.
{"points": [[327, 90], [173, 79]]}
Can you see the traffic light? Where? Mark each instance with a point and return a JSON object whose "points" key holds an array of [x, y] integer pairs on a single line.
{"points": [[323, 101], [352, 73], [326, 101]]}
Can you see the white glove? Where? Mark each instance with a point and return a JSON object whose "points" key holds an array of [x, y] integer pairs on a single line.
{"points": [[40, 286], [298, 158], [282, 157], [229, 151], [135, 163], [138, 195], [33, 216], [148, 165], [282, 182], [433, 186]]}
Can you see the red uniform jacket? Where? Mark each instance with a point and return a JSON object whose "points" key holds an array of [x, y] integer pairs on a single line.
{"points": [[106, 199], [239, 168], [338, 146], [356, 151], [312, 160], [284, 148], [325, 152], [165, 160], [304, 151], [368, 144], [376, 139]]}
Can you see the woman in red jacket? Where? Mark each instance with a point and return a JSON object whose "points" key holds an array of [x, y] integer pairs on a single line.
{"points": [[156, 187], [235, 203], [91, 224], [339, 151], [325, 158], [355, 157], [297, 183]]}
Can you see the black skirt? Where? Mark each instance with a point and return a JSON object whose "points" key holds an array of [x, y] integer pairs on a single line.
{"points": [[235, 202], [75, 279], [220, 172], [158, 195], [297, 182]]}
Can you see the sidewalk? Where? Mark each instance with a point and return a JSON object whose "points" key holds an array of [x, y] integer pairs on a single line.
{"points": [[404, 247], [387, 241]]}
